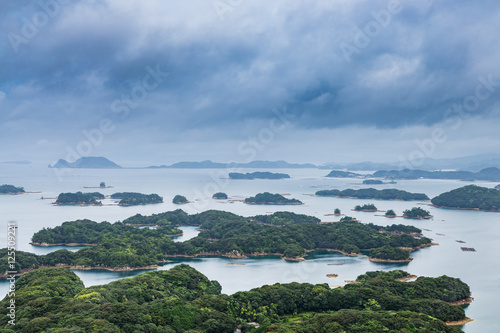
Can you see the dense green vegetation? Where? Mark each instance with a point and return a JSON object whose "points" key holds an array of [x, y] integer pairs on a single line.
{"points": [[176, 218], [390, 213], [284, 218], [222, 233], [342, 174], [267, 198], [183, 300], [416, 213], [371, 193], [10, 189], [102, 184], [401, 228], [471, 197], [134, 198], [79, 198], [336, 211], [372, 182], [390, 253], [219, 196], [366, 208], [179, 199], [258, 175], [86, 231], [491, 174]]}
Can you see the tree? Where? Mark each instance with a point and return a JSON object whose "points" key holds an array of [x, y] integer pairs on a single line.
{"points": [[336, 211], [390, 213]]}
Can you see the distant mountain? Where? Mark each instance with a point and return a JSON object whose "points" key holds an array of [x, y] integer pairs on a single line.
{"points": [[87, 163], [254, 164]]}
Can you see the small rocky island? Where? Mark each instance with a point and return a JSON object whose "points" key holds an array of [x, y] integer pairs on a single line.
{"points": [[258, 175], [267, 198], [11, 189]]}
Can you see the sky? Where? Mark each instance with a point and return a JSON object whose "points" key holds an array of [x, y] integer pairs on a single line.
{"points": [[157, 82]]}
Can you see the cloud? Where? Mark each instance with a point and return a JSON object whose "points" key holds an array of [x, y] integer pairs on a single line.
{"points": [[226, 74]]}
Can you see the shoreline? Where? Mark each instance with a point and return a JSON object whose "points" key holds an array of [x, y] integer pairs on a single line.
{"points": [[459, 322], [61, 244], [391, 260], [461, 208]]}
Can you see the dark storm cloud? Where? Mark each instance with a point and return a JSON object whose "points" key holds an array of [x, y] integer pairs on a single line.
{"points": [[260, 56]]}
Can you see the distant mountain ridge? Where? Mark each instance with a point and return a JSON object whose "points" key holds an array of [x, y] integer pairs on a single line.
{"points": [[87, 163], [254, 164]]}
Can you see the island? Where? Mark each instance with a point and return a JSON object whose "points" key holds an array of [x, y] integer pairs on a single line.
{"points": [[88, 162], [371, 193], [373, 182], [119, 245], [79, 198], [179, 200], [101, 185], [365, 208], [490, 174], [390, 213], [134, 198], [182, 299], [220, 196], [337, 212], [469, 197], [343, 174], [11, 189], [258, 175], [267, 198], [416, 213]]}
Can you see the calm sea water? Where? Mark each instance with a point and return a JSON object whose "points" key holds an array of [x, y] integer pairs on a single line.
{"points": [[480, 230]]}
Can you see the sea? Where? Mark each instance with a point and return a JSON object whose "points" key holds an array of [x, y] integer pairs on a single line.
{"points": [[477, 229]]}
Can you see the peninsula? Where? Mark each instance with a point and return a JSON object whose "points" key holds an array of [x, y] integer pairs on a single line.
{"points": [[469, 197]]}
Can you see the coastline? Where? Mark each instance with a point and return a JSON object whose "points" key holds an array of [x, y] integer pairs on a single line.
{"points": [[459, 322], [461, 208], [341, 197]]}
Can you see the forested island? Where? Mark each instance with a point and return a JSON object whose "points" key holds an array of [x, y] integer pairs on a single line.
{"points": [[182, 299], [134, 198], [180, 199], [371, 193], [79, 198], [258, 175], [390, 213], [469, 197], [416, 213], [11, 189], [118, 246], [373, 182], [267, 198], [343, 174], [366, 208], [220, 196]]}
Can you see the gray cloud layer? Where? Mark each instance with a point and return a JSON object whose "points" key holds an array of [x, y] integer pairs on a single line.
{"points": [[234, 66]]}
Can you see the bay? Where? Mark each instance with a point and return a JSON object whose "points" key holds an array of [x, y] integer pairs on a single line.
{"points": [[480, 230]]}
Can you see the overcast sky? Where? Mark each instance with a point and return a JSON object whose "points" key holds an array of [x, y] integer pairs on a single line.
{"points": [[156, 82]]}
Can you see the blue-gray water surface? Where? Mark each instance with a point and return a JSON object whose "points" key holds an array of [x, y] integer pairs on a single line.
{"points": [[480, 230]]}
